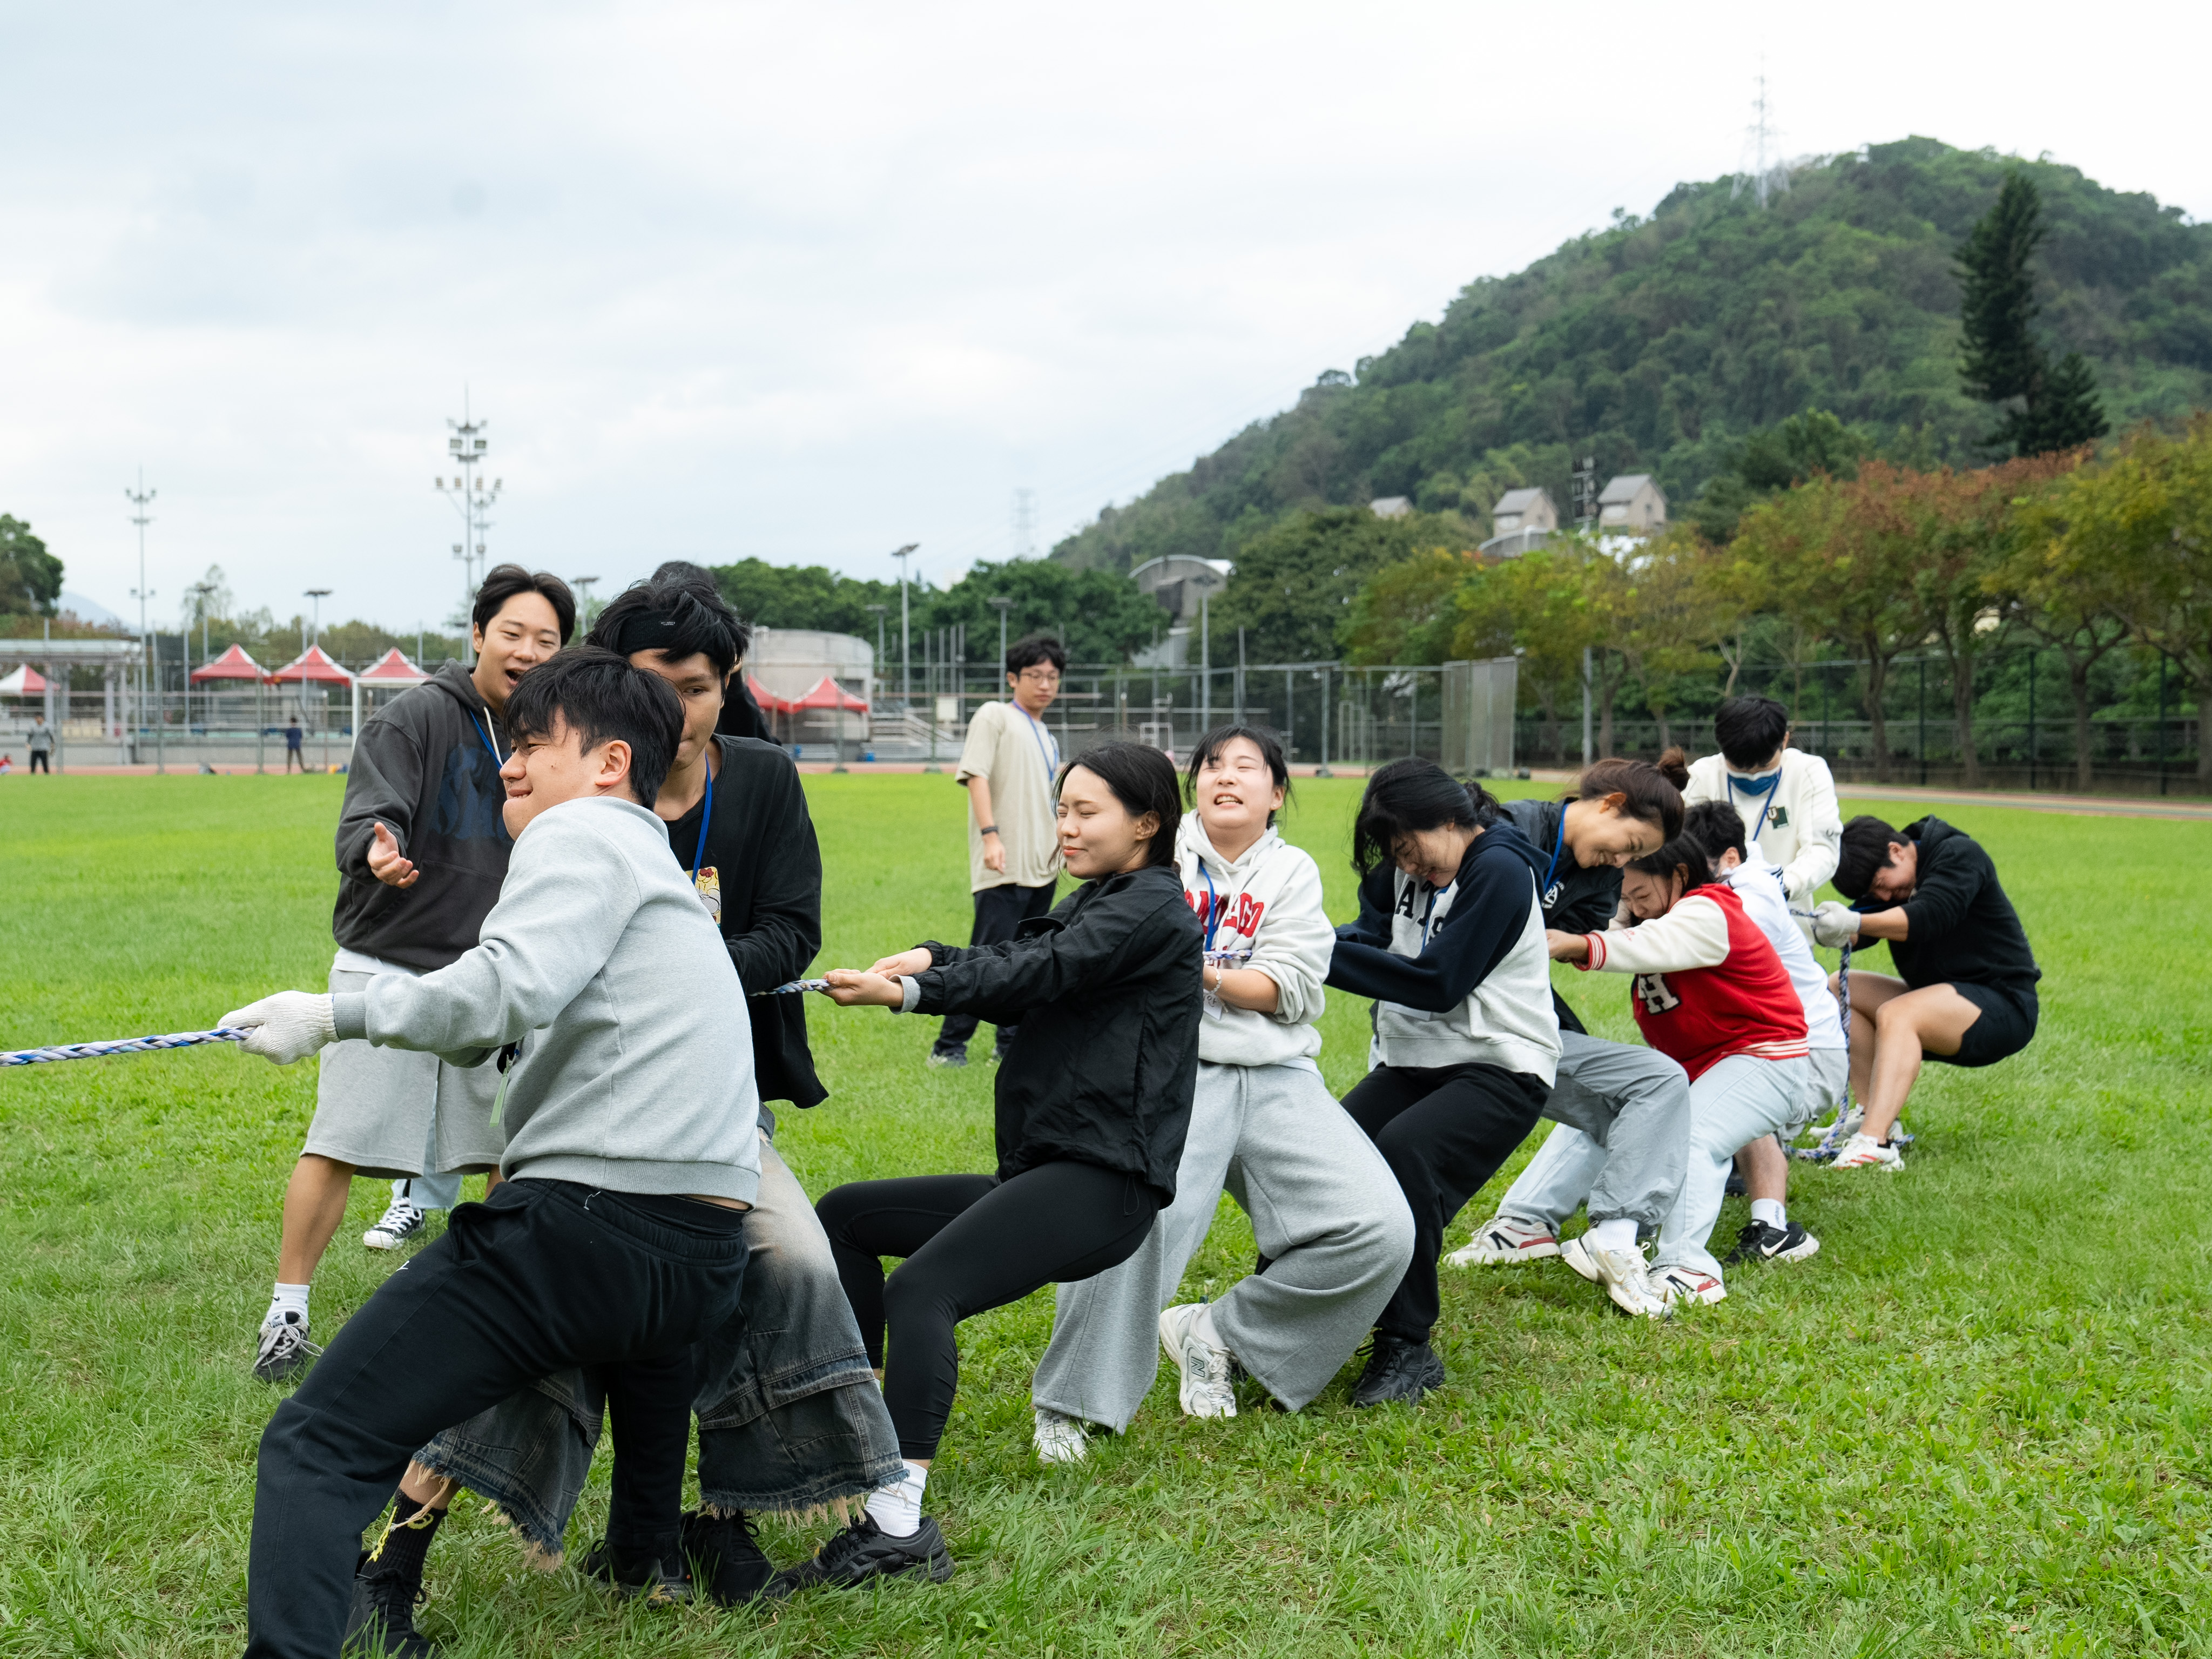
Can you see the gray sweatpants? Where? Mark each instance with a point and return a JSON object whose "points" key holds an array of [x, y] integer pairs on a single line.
{"points": [[1623, 1133], [1325, 1210]]}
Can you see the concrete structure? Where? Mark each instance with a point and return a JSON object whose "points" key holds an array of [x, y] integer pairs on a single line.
{"points": [[1182, 585], [1390, 506], [792, 661], [1633, 501]]}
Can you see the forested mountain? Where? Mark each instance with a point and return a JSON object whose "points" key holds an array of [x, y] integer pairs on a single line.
{"points": [[1660, 344]]}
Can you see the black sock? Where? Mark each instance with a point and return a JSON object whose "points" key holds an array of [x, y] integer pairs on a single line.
{"points": [[406, 1540]]}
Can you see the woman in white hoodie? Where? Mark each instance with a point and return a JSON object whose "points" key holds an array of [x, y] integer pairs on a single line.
{"points": [[1331, 1223]]}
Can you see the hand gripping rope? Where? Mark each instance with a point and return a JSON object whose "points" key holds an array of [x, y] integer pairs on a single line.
{"points": [[121, 1046]]}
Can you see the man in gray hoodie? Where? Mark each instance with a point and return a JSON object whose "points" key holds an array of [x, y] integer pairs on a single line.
{"points": [[632, 1144]]}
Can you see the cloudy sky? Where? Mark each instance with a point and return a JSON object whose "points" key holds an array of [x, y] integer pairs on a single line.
{"points": [[804, 282]]}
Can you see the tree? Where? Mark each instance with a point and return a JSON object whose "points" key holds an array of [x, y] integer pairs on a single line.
{"points": [[1405, 613], [1669, 617], [1296, 579], [1775, 458], [805, 596], [2044, 406], [30, 577], [1558, 602], [2075, 613], [1099, 616], [2140, 530]]}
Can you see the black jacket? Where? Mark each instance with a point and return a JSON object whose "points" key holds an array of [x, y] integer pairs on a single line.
{"points": [[1484, 921], [1106, 993], [424, 767], [1963, 927], [761, 846], [1577, 901]]}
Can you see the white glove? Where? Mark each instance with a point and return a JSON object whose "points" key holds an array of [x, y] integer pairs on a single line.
{"points": [[1835, 924], [288, 1026]]}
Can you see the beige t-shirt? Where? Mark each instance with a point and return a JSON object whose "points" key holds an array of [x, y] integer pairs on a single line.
{"points": [[1018, 758]]}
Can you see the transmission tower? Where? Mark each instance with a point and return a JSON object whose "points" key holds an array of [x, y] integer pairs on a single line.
{"points": [[1769, 172], [1025, 524]]}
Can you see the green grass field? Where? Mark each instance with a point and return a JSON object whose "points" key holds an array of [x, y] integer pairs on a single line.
{"points": [[1975, 1424]]}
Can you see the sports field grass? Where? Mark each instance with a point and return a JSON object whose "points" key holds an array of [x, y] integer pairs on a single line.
{"points": [[1975, 1424]]}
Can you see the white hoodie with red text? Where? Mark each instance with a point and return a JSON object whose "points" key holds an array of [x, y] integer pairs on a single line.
{"points": [[1261, 910]]}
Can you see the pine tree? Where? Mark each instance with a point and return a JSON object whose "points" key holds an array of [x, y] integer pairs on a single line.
{"points": [[2044, 406]]}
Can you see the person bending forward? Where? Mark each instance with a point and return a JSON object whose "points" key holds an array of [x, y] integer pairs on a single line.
{"points": [[1326, 1210], [632, 1144], [1094, 1100]]}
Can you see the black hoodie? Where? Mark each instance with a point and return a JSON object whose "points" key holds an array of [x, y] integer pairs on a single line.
{"points": [[424, 767], [1963, 927]]}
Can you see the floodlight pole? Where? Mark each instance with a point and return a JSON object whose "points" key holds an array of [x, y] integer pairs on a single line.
{"points": [[138, 499], [875, 687], [583, 584], [1001, 604], [906, 632], [472, 498]]}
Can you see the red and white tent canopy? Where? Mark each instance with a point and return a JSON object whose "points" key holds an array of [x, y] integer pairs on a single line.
{"points": [[25, 681], [233, 665], [826, 693], [311, 665], [393, 668]]}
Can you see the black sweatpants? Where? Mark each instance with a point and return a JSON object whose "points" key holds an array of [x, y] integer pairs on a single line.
{"points": [[1444, 1131], [542, 1276], [40, 763], [649, 1409], [999, 913], [971, 1243]]}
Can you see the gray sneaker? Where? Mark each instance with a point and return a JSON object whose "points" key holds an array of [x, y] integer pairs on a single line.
{"points": [[285, 1351]]}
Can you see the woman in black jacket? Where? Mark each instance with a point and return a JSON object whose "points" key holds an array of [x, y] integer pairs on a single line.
{"points": [[1093, 1101]]}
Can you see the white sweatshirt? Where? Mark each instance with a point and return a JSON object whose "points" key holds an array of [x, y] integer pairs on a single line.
{"points": [[1758, 884], [1802, 831], [1267, 903]]}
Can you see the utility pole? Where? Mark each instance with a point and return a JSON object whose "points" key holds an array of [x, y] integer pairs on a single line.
{"points": [[472, 498], [585, 615], [1585, 490], [1025, 524], [318, 594], [1001, 604], [139, 499], [906, 632], [875, 690]]}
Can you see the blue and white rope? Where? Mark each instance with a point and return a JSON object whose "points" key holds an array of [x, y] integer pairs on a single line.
{"points": [[791, 988], [121, 1046]]}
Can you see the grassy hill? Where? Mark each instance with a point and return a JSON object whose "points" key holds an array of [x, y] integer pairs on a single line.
{"points": [[1660, 344]]}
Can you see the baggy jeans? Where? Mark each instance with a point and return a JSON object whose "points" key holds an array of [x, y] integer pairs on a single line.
{"points": [[1623, 1118], [542, 1276], [1325, 1210], [790, 1418]]}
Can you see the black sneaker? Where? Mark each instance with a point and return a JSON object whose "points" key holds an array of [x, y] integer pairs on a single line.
{"points": [[284, 1350], [725, 1556], [1761, 1241], [1734, 1186], [650, 1582], [1398, 1369], [954, 1058], [380, 1622], [864, 1550]]}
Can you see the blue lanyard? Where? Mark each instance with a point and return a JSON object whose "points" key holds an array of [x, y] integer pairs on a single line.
{"points": [[706, 817], [483, 732], [1212, 906], [1766, 791], [1037, 730], [1543, 893]]}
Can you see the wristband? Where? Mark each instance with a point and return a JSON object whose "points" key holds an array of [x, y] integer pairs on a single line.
{"points": [[988, 830]]}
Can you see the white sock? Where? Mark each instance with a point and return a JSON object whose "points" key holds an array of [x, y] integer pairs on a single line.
{"points": [[1207, 1334], [289, 1298], [1772, 1211], [1615, 1233], [897, 1508]]}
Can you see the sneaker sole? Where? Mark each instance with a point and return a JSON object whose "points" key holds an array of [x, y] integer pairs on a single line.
{"points": [[1803, 1252], [1576, 1254], [1474, 1255]]}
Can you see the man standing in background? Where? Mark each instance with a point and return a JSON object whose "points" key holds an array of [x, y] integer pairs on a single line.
{"points": [[42, 745], [1785, 797], [1013, 846]]}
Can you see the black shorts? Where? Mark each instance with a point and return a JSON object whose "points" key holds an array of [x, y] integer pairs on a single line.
{"points": [[2007, 1025]]}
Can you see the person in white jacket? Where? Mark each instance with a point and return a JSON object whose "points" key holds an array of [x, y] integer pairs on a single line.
{"points": [[1332, 1226], [1785, 797]]}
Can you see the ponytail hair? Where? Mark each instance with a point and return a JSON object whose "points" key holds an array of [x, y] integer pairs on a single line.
{"points": [[1408, 797], [1652, 793]]}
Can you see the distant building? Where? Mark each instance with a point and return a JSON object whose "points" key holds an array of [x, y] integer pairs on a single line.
{"points": [[1390, 506], [1634, 502], [1524, 509], [1182, 584]]}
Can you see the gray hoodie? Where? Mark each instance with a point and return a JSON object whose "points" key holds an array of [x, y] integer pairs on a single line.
{"points": [[599, 960]]}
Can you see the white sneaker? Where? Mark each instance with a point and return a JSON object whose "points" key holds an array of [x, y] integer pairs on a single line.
{"points": [[1688, 1285], [1863, 1151], [1503, 1239], [1059, 1438], [402, 1222], [1623, 1274], [1205, 1389]]}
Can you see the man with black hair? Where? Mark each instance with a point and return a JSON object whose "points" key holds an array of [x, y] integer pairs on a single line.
{"points": [[1008, 764], [1785, 797], [1966, 996], [790, 1416], [616, 1238], [421, 850]]}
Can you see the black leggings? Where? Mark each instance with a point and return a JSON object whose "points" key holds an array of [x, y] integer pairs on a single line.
{"points": [[1444, 1131], [971, 1243]]}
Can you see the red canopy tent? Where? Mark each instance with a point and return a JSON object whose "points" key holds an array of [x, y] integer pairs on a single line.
{"points": [[314, 667], [826, 693], [233, 665], [393, 668], [769, 703], [25, 681]]}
